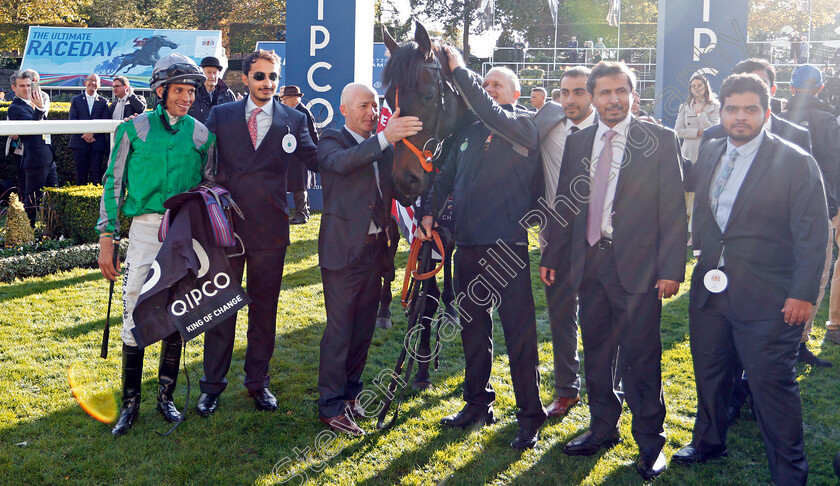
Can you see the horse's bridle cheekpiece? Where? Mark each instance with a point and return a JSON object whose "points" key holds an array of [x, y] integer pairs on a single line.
{"points": [[425, 156]]}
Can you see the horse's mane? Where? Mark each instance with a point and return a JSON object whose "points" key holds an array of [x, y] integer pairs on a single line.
{"points": [[403, 67]]}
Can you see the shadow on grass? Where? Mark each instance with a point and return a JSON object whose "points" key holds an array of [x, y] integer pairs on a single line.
{"points": [[37, 286]]}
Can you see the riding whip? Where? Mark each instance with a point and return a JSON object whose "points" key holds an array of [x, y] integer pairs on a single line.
{"points": [[107, 331]]}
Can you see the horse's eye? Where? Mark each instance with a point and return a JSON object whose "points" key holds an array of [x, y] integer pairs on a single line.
{"points": [[428, 97]]}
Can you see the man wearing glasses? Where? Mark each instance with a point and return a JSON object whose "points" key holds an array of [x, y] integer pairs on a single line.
{"points": [[126, 102], [257, 138]]}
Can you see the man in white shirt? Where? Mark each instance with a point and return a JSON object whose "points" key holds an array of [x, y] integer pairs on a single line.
{"points": [[126, 102], [555, 123], [89, 148]]}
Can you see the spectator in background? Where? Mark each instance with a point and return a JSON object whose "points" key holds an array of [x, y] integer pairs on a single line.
{"points": [[538, 96], [804, 51], [126, 103], [587, 51], [37, 162], [2, 94], [700, 111], [89, 148], [600, 50], [556, 95], [573, 52], [213, 92], [298, 177], [795, 47]]}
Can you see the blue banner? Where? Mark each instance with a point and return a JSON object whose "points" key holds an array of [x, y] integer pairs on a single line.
{"points": [[329, 45], [707, 37], [65, 56]]}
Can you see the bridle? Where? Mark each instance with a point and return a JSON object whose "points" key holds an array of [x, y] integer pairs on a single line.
{"points": [[426, 156]]}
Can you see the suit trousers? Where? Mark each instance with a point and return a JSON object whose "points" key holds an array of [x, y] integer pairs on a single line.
{"points": [[265, 275], [301, 202], [620, 334], [482, 287], [351, 298], [768, 349], [36, 179], [88, 164], [834, 297], [561, 301]]}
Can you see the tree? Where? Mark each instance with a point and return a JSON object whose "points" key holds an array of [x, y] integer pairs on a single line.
{"points": [[768, 17]]}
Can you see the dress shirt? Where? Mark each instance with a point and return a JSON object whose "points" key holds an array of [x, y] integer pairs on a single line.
{"points": [[90, 100], [383, 144], [618, 144], [119, 109], [263, 118], [551, 152], [746, 155]]}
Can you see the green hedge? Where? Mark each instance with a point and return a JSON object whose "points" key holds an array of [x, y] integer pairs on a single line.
{"points": [[73, 211], [48, 262], [63, 155]]}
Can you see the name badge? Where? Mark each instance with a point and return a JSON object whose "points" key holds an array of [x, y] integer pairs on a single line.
{"points": [[715, 281], [289, 143]]}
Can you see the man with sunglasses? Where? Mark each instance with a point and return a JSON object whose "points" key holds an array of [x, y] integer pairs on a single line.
{"points": [[257, 138]]}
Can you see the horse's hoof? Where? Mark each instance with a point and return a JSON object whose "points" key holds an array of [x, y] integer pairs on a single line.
{"points": [[383, 322]]}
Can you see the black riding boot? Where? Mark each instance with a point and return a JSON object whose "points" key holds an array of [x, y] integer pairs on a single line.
{"points": [[170, 356], [132, 375]]}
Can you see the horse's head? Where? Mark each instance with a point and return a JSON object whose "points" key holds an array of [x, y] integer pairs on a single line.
{"points": [[420, 84], [163, 41]]}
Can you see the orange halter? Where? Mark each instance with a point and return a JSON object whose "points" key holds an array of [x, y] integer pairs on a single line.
{"points": [[411, 266], [426, 156]]}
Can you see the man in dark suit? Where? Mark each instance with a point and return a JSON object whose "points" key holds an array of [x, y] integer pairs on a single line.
{"points": [[299, 179], [776, 125], [126, 102], [555, 123], [356, 169], [626, 237], [760, 216], [37, 163], [256, 139], [89, 148]]}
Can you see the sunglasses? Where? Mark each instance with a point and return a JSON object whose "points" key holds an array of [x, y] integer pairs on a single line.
{"points": [[116, 85], [260, 76]]}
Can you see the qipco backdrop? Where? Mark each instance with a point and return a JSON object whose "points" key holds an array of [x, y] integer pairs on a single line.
{"points": [[65, 56], [701, 36], [329, 43]]}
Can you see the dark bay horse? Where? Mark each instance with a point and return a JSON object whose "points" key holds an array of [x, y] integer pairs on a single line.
{"points": [[420, 83], [148, 53]]}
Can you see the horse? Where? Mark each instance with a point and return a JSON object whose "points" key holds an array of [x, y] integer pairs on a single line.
{"points": [[419, 83], [147, 55]]}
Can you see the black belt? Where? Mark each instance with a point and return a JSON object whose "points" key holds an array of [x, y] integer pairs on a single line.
{"points": [[604, 244]]}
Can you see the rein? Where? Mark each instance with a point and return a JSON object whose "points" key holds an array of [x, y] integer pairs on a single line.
{"points": [[426, 156], [411, 274]]}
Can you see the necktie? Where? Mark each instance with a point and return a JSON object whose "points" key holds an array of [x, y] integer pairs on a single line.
{"points": [[574, 129], [252, 126], [722, 178], [378, 209], [600, 181]]}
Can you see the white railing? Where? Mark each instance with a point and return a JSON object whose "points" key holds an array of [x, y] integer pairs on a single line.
{"points": [[58, 127]]}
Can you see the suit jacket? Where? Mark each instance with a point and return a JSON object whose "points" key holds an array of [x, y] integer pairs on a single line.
{"points": [[650, 231], [299, 178], [36, 152], [776, 235], [134, 105], [780, 127], [257, 178], [349, 185], [79, 111]]}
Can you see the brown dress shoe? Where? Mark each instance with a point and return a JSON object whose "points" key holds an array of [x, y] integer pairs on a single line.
{"points": [[355, 409], [342, 423], [561, 405]]}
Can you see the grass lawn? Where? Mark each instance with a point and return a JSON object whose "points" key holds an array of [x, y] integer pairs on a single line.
{"points": [[50, 324]]}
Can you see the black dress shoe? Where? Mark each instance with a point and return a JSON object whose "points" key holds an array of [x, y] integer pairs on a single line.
{"points": [[807, 357], [689, 455], [589, 443], [469, 416], [525, 439], [264, 400], [207, 404], [732, 414], [650, 465]]}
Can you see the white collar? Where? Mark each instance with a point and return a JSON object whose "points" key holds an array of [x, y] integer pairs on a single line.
{"points": [[620, 127], [585, 123], [748, 148], [267, 108]]}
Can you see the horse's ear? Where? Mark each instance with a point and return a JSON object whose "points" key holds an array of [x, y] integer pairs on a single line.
{"points": [[422, 38], [390, 43]]}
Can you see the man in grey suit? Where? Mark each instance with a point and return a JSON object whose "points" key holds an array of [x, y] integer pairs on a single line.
{"points": [[622, 219], [554, 123], [760, 214], [356, 170]]}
